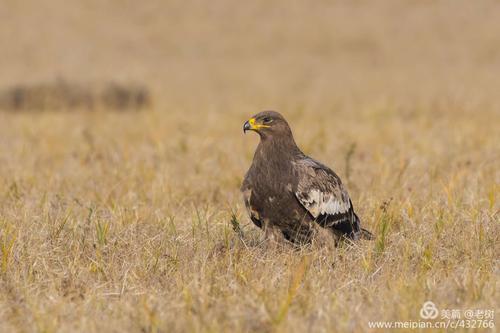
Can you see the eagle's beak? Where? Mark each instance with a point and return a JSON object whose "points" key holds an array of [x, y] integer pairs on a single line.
{"points": [[246, 126], [251, 125]]}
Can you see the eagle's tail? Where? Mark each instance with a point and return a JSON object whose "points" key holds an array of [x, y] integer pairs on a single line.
{"points": [[365, 234], [361, 233]]}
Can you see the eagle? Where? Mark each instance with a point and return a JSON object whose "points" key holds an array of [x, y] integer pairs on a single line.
{"points": [[290, 195]]}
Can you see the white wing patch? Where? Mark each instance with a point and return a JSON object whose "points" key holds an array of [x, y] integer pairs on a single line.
{"points": [[319, 203]]}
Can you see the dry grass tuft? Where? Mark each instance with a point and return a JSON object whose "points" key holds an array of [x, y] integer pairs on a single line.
{"points": [[66, 96]]}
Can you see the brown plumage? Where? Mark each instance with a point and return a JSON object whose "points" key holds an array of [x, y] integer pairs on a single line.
{"points": [[289, 194]]}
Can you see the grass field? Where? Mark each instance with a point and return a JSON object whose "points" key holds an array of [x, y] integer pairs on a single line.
{"points": [[123, 221]]}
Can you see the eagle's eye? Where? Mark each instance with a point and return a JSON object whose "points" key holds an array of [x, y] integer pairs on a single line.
{"points": [[267, 120]]}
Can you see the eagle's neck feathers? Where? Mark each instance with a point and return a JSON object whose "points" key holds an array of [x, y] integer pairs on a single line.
{"points": [[276, 153]]}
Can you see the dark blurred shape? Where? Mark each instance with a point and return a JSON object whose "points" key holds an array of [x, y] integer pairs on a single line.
{"points": [[62, 95]]}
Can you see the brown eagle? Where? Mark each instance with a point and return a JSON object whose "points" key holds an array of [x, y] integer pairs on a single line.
{"points": [[289, 194]]}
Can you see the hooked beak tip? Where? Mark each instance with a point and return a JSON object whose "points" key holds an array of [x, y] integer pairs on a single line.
{"points": [[246, 127]]}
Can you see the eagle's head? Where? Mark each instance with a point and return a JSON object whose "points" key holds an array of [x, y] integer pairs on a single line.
{"points": [[268, 124]]}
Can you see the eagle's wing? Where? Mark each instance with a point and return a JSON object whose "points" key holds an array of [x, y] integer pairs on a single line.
{"points": [[322, 194], [246, 190]]}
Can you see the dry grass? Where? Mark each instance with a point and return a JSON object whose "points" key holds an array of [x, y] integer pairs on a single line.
{"points": [[123, 221]]}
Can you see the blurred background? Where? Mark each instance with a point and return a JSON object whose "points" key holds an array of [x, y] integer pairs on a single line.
{"points": [[218, 55], [122, 156]]}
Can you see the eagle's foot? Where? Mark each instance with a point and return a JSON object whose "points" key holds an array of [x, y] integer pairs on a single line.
{"points": [[273, 237], [325, 238]]}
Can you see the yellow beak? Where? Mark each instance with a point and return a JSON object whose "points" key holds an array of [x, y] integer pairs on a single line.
{"points": [[251, 125]]}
